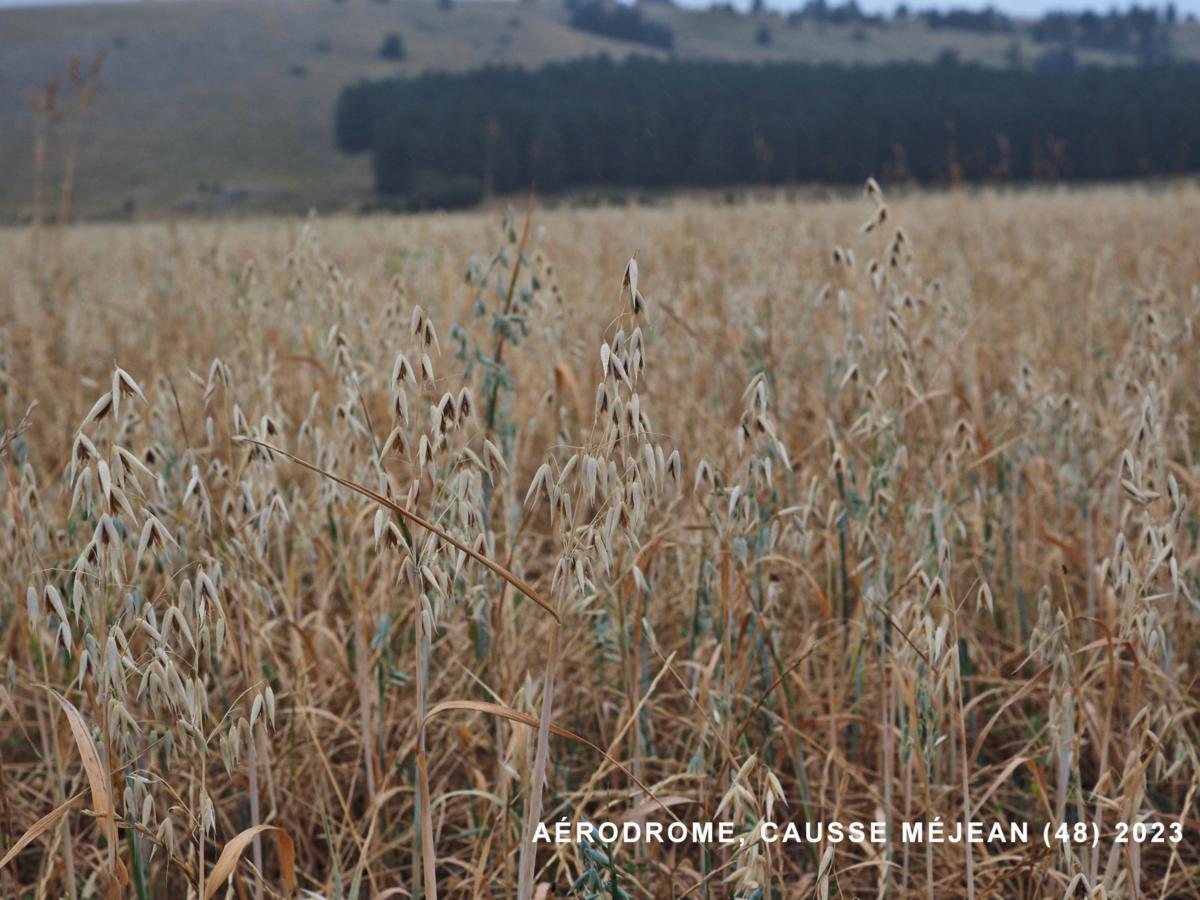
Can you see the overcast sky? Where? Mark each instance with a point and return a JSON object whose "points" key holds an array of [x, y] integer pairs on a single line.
{"points": [[1014, 7]]}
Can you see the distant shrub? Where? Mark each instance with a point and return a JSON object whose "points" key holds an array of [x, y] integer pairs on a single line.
{"points": [[392, 47]]}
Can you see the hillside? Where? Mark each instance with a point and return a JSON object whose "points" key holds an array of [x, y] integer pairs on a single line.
{"points": [[223, 104]]}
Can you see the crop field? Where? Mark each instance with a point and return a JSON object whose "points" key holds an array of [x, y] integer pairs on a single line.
{"points": [[338, 555]]}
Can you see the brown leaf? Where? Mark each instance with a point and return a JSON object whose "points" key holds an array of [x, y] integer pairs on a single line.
{"points": [[98, 779], [232, 852]]}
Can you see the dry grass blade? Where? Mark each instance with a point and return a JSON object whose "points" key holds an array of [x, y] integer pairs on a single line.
{"points": [[508, 576], [38, 828], [232, 852], [97, 778]]}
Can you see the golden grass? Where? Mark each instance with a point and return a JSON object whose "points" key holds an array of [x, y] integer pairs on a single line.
{"points": [[926, 549]]}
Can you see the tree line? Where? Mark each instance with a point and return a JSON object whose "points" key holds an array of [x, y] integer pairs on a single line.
{"points": [[624, 23], [1139, 32], [443, 139]]}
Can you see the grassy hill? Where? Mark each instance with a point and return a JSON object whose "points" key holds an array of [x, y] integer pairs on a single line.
{"points": [[227, 104]]}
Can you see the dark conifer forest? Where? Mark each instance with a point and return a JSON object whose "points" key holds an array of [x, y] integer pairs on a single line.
{"points": [[442, 139]]}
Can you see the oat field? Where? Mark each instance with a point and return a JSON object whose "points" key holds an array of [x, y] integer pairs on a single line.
{"points": [[338, 555]]}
